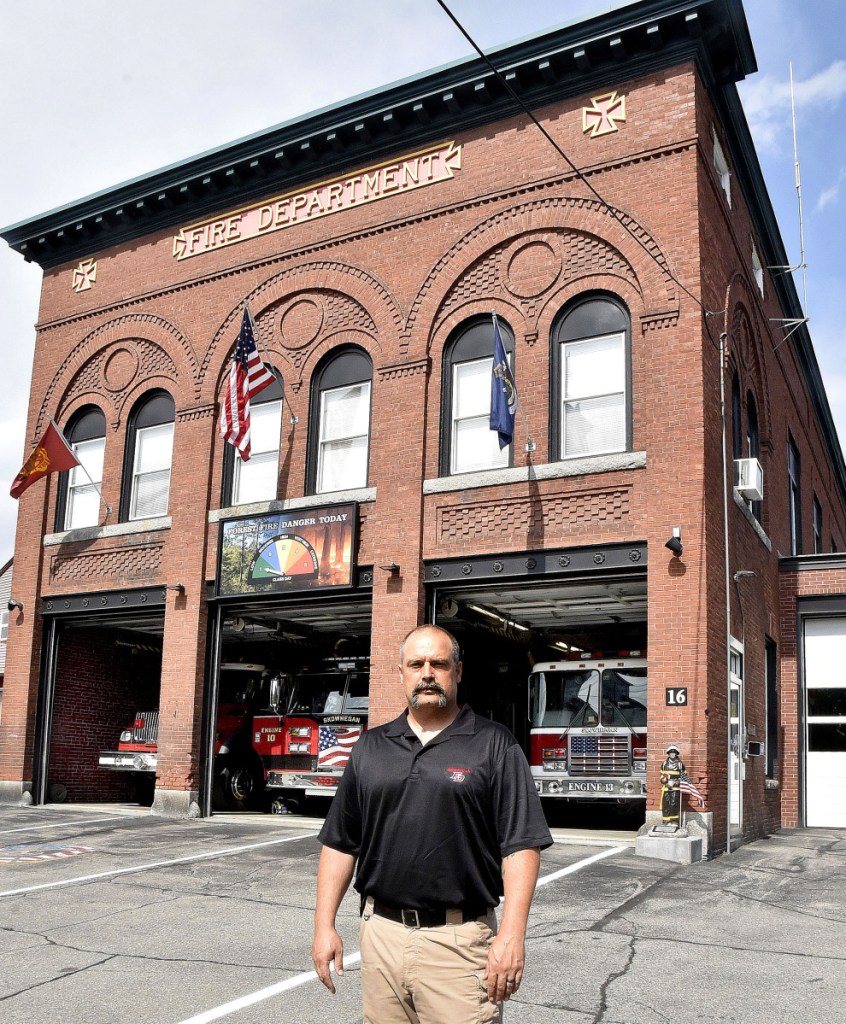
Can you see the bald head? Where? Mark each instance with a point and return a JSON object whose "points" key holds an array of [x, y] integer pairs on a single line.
{"points": [[428, 628]]}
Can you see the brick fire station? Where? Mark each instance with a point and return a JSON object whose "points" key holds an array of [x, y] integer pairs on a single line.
{"points": [[654, 559]]}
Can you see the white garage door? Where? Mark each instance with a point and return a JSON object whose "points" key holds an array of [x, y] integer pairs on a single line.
{"points": [[825, 717]]}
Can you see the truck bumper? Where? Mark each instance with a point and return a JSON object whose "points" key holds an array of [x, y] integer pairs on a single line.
{"points": [[311, 783], [570, 788], [128, 760]]}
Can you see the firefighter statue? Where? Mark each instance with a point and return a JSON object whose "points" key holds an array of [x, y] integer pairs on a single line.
{"points": [[672, 771]]}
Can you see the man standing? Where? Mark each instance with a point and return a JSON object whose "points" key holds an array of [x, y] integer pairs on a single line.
{"points": [[439, 811]]}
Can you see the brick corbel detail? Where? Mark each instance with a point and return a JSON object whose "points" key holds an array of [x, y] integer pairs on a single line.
{"points": [[399, 371]]}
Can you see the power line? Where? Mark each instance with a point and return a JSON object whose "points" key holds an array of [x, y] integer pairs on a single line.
{"points": [[606, 205]]}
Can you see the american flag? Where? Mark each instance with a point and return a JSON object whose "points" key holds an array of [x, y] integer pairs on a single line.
{"points": [[248, 376], [584, 745], [686, 786], [334, 745]]}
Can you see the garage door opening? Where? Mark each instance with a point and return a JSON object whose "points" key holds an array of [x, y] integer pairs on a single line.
{"points": [[99, 711], [563, 665], [282, 740]]}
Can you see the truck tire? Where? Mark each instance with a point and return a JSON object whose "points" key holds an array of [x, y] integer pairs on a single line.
{"points": [[238, 787], [142, 788]]}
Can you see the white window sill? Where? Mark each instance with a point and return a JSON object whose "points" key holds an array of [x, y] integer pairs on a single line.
{"points": [[115, 530], [263, 508], [547, 471]]}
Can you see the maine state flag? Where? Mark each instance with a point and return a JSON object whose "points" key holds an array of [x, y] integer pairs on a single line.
{"points": [[503, 392]]}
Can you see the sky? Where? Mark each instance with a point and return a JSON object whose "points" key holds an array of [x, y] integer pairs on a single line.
{"points": [[96, 92]]}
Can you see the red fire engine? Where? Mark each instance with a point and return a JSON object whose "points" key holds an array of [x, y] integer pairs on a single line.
{"points": [[305, 742], [286, 733], [588, 727]]}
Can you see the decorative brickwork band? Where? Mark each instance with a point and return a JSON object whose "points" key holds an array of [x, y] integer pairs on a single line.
{"points": [[198, 412], [124, 563], [403, 370], [556, 514]]}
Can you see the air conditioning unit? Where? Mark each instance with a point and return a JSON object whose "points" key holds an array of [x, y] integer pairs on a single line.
{"points": [[749, 478]]}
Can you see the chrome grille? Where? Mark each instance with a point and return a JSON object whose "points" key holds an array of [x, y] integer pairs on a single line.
{"points": [[150, 731], [599, 754]]}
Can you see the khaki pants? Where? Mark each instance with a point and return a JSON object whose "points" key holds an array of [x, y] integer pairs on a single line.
{"points": [[426, 975]]}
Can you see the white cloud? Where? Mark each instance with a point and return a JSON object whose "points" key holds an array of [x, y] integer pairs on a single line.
{"points": [[766, 100], [826, 88], [832, 194]]}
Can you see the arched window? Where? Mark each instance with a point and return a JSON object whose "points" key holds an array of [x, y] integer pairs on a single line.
{"points": [[149, 451], [467, 442], [78, 502], [591, 407], [257, 479], [339, 421], [753, 442], [794, 495], [736, 422]]}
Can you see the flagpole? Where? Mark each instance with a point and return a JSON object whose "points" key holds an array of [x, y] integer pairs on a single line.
{"points": [[530, 444], [294, 418]]}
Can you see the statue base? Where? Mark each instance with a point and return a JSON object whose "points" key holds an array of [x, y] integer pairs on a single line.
{"points": [[668, 842]]}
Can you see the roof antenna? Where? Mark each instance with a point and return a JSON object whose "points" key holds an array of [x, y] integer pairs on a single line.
{"points": [[794, 323]]}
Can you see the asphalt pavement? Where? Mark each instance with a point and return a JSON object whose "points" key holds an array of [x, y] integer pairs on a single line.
{"points": [[110, 915]]}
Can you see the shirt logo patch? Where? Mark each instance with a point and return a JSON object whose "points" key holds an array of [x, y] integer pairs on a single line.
{"points": [[458, 774]]}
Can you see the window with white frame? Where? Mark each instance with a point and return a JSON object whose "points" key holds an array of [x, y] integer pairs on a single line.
{"points": [[257, 479], [721, 167], [340, 422], [4, 625], [468, 444], [78, 502], [737, 733], [151, 471], [84, 484], [794, 497], [757, 269], [818, 526], [344, 437], [590, 360], [474, 445], [149, 453], [771, 716], [753, 443], [736, 418]]}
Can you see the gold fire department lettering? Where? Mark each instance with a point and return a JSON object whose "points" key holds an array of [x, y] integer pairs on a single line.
{"points": [[344, 193]]}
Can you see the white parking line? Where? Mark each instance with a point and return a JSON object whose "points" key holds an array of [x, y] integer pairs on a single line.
{"points": [[263, 993], [155, 864], [58, 824], [579, 865], [300, 979]]}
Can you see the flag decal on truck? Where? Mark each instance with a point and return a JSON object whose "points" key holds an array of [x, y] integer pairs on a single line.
{"points": [[335, 744]]}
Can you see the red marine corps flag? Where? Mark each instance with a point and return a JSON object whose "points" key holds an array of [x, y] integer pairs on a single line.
{"points": [[248, 376], [52, 455]]}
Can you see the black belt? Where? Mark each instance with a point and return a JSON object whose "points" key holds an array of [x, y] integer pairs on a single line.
{"points": [[425, 918]]}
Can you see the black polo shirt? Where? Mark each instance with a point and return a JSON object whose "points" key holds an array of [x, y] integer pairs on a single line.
{"points": [[431, 824]]}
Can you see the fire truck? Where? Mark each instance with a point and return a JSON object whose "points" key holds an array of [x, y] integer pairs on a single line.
{"points": [[288, 734], [238, 775], [588, 727], [316, 717]]}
